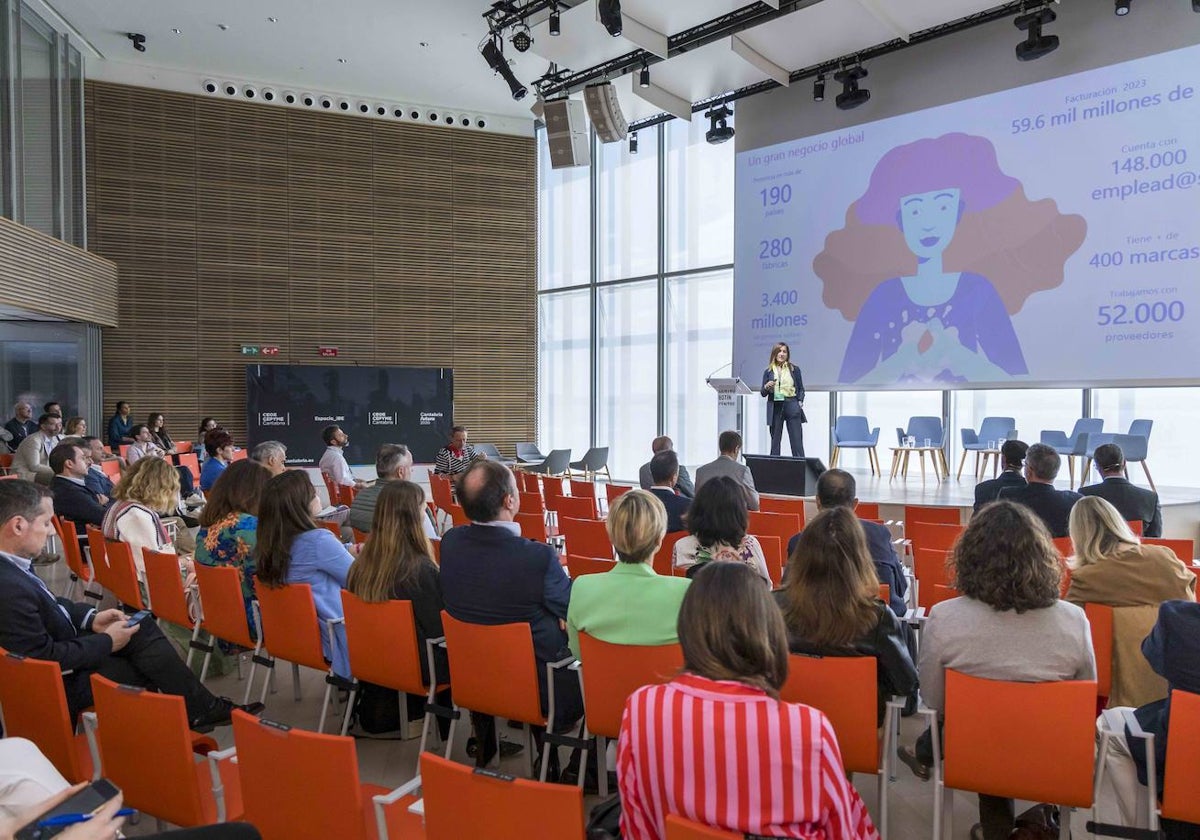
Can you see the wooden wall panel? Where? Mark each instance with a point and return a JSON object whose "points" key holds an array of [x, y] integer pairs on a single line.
{"points": [[242, 224], [36, 268]]}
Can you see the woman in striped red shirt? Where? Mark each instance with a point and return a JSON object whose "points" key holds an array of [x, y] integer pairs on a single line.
{"points": [[715, 745]]}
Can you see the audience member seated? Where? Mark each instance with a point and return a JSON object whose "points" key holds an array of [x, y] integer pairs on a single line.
{"points": [[97, 480], [1112, 567], [1012, 455], [271, 454], [75, 427], [219, 446], [837, 488], [73, 499], [143, 445], [393, 463], [830, 602], [683, 485], [81, 639], [26, 778], [727, 464], [717, 523], [490, 574], [630, 604], [159, 434], [664, 470], [292, 549], [1008, 624], [228, 534], [678, 737], [21, 426], [120, 426], [53, 407], [396, 563], [208, 424], [1132, 501], [1051, 506], [148, 491], [333, 462], [456, 456], [32, 459], [1173, 650]]}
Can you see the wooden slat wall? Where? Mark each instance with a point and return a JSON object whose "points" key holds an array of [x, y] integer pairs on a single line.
{"points": [[241, 224], [45, 275]]}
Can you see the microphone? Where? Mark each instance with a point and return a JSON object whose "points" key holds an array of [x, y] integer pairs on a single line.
{"points": [[718, 370]]}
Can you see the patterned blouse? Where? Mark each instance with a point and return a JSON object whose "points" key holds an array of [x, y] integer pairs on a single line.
{"points": [[688, 552], [231, 542]]}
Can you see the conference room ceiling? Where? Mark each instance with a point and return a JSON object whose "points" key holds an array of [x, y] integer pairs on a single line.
{"points": [[415, 52]]}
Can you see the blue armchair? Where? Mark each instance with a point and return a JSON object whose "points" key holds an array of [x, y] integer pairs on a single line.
{"points": [[921, 428], [1135, 446], [992, 429], [852, 431], [1076, 444]]}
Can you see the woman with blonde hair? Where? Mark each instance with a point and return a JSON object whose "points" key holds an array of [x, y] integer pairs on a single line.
{"points": [[76, 427], [1111, 567], [830, 603], [146, 492], [631, 604]]}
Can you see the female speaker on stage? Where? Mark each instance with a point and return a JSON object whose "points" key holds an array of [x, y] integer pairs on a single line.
{"points": [[783, 387]]}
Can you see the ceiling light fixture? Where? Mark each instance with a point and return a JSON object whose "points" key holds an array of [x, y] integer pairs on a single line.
{"points": [[610, 16], [719, 129], [272, 20], [1036, 44], [521, 39], [633, 143], [556, 20], [493, 53], [852, 96], [819, 88], [1122, 8], [176, 30], [644, 75], [139, 40]]}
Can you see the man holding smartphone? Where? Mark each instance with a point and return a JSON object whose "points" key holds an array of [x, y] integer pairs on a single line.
{"points": [[81, 639]]}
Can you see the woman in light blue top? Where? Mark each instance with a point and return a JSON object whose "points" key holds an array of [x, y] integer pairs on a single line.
{"points": [[293, 549]]}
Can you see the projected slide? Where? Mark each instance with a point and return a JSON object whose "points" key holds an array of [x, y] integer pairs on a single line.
{"points": [[1045, 235]]}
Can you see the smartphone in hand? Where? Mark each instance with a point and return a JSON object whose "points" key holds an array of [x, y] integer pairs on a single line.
{"points": [[137, 618], [87, 801]]}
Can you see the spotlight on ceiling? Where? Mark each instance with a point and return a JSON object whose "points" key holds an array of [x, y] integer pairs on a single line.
{"points": [[556, 21], [139, 40], [494, 56], [1036, 44], [521, 39], [1122, 8], [852, 95], [610, 16], [719, 129], [633, 143], [644, 75], [819, 88]]}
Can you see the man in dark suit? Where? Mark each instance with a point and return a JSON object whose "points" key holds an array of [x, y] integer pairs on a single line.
{"points": [[72, 498], [81, 639], [837, 488], [97, 480], [1013, 455], [1132, 501], [490, 574], [683, 485], [1052, 506], [664, 469]]}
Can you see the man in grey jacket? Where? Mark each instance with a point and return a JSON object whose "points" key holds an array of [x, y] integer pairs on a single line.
{"points": [[683, 484], [727, 463]]}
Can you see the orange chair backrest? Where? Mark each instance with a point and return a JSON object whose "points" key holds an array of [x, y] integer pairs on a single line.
{"points": [[186, 459], [458, 516], [533, 526], [582, 489], [440, 488], [184, 446], [97, 554], [845, 688], [1100, 617], [71, 550], [297, 783], [166, 587], [492, 669], [664, 555], [1185, 550], [528, 482], [1058, 713], [1179, 801], [224, 608], [122, 574], [868, 510], [1064, 546], [1136, 525], [932, 535], [772, 549], [532, 503], [611, 673], [585, 537], [570, 507], [885, 593], [146, 750], [6, 460], [396, 664], [615, 491], [290, 628], [552, 491], [34, 703], [239, 455], [460, 801], [578, 565], [940, 592], [938, 515], [112, 469], [681, 828], [360, 537], [123, 450], [929, 566], [791, 505], [331, 527], [781, 525]]}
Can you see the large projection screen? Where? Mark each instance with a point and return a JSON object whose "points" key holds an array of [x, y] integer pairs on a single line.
{"points": [[373, 405], [1047, 235]]}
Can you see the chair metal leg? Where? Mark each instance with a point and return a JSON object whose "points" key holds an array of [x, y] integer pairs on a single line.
{"points": [[601, 765], [350, 708], [962, 462], [296, 682], [529, 749], [192, 650], [1071, 470], [324, 707], [451, 733], [833, 458]]}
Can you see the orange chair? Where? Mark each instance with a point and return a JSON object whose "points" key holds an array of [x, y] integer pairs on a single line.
{"points": [[552, 491], [442, 490], [609, 674], [80, 568], [97, 552], [663, 557], [533, 526], [868, 510], [568, 507], [941, 592], [6, 461], [1064, 545], [582, 489], [885, 593], [781, 525], [224, 616], [614, 491], [528, 482], [112, 469], [578, 565], [34, 702], [929, 568], [149, 752], [291, 632], [1182, 778], [1184, 549], [396, 664], [585, 537], [938, 515], [845, 689], [360, 537], [331, 527], [121, 578], [681, 828], [932, 535], [123, 450], [186, 459], [298, 784], [1058, 713], [1136, 525], [460, 802], [792, 505], [183, 447], [772, 548], [493, 671], [1100, 618], [165, 587], [532, 503], [458, 516], [239, 455]]}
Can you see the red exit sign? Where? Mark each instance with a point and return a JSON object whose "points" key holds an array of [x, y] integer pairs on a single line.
{"points": [[327, 352], [270, 350]]}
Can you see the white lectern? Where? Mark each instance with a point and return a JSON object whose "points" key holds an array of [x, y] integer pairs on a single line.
{"points": [[729, 402]]}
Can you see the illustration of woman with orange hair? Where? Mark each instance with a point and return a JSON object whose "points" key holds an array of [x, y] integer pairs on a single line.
{"points": [[935, 258]]}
